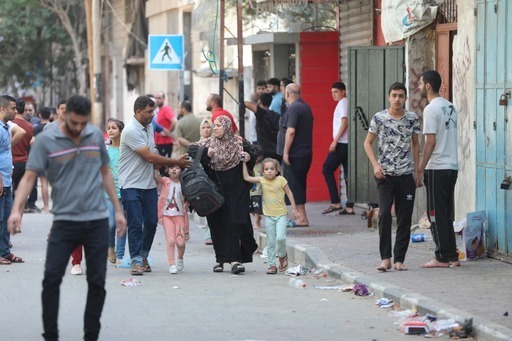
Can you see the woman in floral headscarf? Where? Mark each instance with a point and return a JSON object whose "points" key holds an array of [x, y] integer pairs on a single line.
{"points": [[230, 226]]}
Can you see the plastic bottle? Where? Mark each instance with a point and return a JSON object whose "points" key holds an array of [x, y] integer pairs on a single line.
{"points": [[296, 283], [419, 237]]}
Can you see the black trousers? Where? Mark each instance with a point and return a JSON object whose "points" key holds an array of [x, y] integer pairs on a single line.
{"points": [[18, 170], [64, 237], [401, 190], [440, 185], [332, 162]]}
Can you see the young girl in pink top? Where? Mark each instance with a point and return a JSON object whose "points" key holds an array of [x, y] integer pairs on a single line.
{"points": [[172, 212]]}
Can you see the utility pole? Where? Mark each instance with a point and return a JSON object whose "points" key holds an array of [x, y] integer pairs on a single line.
{"points": [[240, 37], [222, 5], [97, 113], [88, 21]]}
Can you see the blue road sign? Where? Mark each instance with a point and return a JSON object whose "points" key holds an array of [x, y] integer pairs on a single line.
{"points": [[166, 52]]}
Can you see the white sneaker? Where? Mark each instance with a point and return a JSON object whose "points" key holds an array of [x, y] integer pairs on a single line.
{"points": [[173, 269], [76, 269], [180, 264]]}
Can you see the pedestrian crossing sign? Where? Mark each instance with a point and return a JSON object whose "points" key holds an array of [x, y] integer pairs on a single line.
{"points": [[166, 52]]}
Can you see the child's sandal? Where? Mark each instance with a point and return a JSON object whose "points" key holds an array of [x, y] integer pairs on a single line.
{"points": [[272, 270]]}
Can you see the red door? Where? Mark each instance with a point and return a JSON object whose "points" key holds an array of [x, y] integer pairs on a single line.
{"points": [[319, 69]]}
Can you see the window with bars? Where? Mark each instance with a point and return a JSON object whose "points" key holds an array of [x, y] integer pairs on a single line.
{"points": [[447, 12]]}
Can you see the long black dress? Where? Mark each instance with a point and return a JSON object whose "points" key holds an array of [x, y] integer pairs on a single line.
{"points": [[230, 226]]}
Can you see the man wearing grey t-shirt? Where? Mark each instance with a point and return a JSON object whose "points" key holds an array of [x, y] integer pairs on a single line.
{"points": [[395, 170], [439, 169], [137, 158], [74, 158]]}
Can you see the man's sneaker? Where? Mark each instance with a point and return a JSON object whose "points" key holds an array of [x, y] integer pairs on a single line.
{"points": [[76, 270], [180, 265], [173, 269]]}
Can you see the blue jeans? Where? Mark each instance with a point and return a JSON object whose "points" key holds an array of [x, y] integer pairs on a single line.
{"points": [[5, 212], [64, 237], [276, 235], [121, 241], [140, 206]]}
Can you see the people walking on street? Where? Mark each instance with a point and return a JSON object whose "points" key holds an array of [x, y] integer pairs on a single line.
{"points": [[137, 157], [74, 158], [173, 214], [76, 261], [338, 151], [230, 226], [214, 105], [188, 127], [46, 116], [166, 118], [395, 170], [274, 188], [115, 250], [8, 112], [439, 169], [206, 131], [295, 145], [20, 153]]}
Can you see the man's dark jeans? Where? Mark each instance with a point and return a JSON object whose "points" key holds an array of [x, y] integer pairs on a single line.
{"points": [[141, 210], [64, 237]]}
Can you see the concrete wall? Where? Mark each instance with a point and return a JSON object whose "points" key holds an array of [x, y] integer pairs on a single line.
{"points": [[464, 80]]}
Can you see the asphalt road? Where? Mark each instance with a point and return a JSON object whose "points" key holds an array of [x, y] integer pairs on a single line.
{"points": [[195, 304]]}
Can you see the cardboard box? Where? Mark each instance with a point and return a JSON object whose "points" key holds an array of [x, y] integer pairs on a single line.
{"points": [[469, 235]]}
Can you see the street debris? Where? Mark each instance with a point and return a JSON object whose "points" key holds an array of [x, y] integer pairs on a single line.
{"points": [[360, 290], [298, 270], [297, 283], [332, 287], [424, 223], [384, 303], [412, 323], [130, 282]]}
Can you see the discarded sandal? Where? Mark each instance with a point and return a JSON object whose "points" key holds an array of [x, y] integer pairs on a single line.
{"points": [[237, 268], [219, 267], [283, 263], [331, 209], [14, 259]]}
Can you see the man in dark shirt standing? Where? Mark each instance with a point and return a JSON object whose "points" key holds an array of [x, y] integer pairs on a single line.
{"points": [[267, 125], [295, 144]]}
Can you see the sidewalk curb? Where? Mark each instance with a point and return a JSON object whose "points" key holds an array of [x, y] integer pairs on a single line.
{"points": [[313, 257]]}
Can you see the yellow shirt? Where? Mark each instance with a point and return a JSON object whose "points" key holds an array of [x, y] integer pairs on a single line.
{"points": [[273, 196]]}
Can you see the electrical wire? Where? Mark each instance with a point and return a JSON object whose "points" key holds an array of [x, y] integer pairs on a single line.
{"points": [[210, 56], [123, 24]]}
